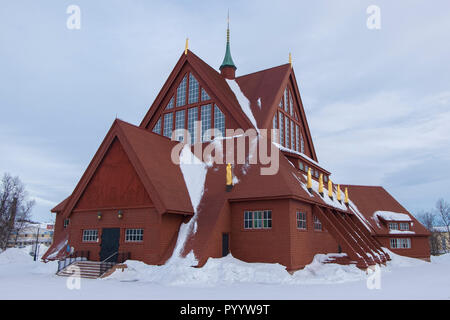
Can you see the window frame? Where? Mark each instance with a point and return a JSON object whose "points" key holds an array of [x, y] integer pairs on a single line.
{"points": [[88, 236], [300, 221], [199, 103], [317, 222], [134, 233], [257, 220]]}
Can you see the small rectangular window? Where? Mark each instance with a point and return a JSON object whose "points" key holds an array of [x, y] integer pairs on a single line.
{"points": [[134, 235], [404, 226], [267, 219], [258, 219], [393, 226], [300, 165], [90, 235], [394, 244], [301, 220], [248, 220], [406, 243], [66, 223], [317, 224]]}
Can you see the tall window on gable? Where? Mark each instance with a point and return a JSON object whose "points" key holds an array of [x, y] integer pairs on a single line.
{"points": [[281, 118], [206, 121], [157, 127], [185, 108], [275, 126], [302, 144], [287, 132], [193, 89], [290, 127], [219, 120], [291, 104], [168, 122], [286, 100], [181, 93], [292, 136], [179, 124], [192, 118]]}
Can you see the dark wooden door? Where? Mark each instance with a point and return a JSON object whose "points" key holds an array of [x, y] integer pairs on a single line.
{"points": [[225, 244], [109, 244]]}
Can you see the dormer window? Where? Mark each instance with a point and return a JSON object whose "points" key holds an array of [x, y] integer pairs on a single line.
{"points": [[393, 226], [404, 226]]}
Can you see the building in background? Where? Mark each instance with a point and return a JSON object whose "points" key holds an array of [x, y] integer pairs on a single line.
{"points": [[32, 233], [442, 239]]}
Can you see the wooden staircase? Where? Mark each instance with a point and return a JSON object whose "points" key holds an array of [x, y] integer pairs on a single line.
{"points": [[354, 239], [86, 269]]}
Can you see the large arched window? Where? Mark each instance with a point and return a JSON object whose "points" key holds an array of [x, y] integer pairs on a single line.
{"points": [[287, 121], [190, 104]]}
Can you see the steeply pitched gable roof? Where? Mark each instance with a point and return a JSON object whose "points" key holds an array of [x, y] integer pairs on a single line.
{"points": [[216, 83], [150, 155], [269, 85]]}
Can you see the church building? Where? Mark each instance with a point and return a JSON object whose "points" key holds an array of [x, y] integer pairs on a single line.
{"points": [[134, 200]]}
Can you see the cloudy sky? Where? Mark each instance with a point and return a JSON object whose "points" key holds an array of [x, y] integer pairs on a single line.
{"points": [[377, 101]]}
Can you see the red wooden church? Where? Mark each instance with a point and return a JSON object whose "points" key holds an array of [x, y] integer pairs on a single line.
{"points": [[134, 199]]}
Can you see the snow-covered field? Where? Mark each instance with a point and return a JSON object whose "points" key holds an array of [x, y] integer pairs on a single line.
{"points": [[228, 278]]}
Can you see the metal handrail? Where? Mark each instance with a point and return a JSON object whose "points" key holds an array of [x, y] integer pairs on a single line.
{"points": [[111, 256]]}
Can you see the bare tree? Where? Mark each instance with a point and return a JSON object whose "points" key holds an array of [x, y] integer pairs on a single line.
{"points": [[15, 208], [428, 219], [443, 210]]}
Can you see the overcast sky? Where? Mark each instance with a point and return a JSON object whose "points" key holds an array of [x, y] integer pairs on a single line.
{"points": [[377, 101]]}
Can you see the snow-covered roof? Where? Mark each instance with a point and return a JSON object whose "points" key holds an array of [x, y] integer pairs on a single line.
{"points": [[392, 216]]}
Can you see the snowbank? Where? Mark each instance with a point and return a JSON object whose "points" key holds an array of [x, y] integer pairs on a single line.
{"points": [[229, 270]]}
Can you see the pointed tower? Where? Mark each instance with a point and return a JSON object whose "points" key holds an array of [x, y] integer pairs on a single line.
{"points": [[228, 69]]}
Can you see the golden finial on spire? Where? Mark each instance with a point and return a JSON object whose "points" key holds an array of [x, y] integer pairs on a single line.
{"points": [[290, 59], [186, 47]]}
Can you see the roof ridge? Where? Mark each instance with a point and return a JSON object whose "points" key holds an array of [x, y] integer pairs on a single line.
{"points": [[263, 70]]}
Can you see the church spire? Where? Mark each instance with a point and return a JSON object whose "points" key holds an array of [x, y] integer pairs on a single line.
{"points": [[227, 69]]}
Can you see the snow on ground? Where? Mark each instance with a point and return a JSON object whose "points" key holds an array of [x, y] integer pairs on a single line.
{"points": [[228, 278]]}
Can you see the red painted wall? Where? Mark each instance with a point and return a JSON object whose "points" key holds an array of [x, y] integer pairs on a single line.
{"points": [[420, 246], [114, 184]]}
